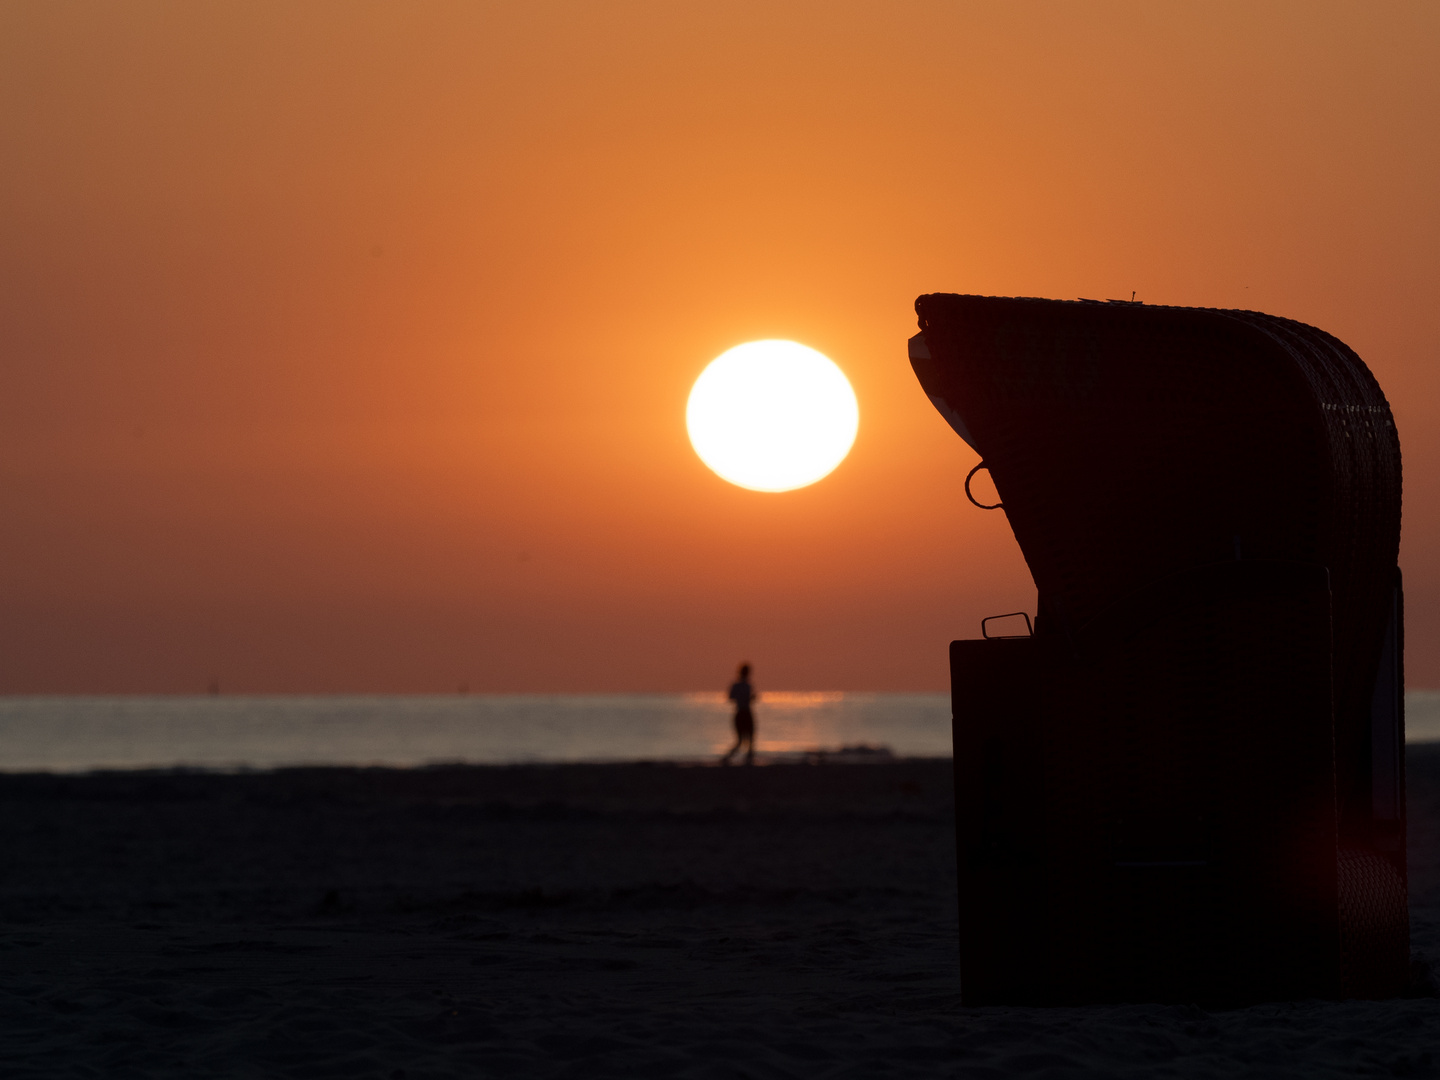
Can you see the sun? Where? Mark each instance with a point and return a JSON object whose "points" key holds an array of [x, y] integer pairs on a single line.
{"points": [[772, 415]]}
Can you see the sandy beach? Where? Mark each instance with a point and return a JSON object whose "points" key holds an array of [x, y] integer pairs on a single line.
{"points": [[614, 920]]}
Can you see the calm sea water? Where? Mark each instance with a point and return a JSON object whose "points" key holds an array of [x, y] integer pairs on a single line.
{"points": [[76, 734], [70, 734]]}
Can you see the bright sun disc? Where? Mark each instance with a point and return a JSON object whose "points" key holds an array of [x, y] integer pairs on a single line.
{"points": [[772, 415]]}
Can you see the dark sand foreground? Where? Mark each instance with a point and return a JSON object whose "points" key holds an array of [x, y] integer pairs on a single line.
{"points": [[571, 921]]}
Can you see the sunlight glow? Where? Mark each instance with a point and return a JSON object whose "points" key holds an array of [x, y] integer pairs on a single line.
{"points": [[772, 416]]}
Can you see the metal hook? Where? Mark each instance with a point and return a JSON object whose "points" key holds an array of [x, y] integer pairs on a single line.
{"points": [[968, 495], [1029, 627]]}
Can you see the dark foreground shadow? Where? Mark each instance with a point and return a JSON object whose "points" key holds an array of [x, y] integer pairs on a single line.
{"points": [[604, 921]]}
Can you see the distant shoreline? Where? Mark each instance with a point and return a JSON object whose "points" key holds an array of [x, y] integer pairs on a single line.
{"points": [[230, 733]]}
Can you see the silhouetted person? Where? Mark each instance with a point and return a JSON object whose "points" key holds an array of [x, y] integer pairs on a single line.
{"points": [[743, 694]]}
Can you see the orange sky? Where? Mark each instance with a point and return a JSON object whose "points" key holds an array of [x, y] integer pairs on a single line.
{"points": [[346, 346]]}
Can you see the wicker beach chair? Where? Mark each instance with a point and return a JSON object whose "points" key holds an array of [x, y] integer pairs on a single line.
{"points": [[1188, 783]]}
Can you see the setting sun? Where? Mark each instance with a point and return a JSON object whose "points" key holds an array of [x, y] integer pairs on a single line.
{"points": [[772, 416]]}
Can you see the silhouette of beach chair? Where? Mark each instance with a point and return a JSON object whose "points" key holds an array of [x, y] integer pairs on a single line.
{"points": [[1188, 784]]}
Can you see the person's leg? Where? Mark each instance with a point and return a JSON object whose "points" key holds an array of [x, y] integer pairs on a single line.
{"points": [[739, 737]]}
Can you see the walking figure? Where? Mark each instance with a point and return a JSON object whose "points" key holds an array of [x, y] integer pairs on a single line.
{"points": [[743, 694]]}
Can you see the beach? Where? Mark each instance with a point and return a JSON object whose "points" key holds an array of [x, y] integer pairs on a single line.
{"points": [[792, 920]]}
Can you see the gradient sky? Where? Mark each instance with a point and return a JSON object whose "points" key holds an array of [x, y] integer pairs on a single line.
{"points": [[345, 346]]}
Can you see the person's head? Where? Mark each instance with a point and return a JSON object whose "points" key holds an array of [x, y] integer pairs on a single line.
{"points": [[744, 672]]}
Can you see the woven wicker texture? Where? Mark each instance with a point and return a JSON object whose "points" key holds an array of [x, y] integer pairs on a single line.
{"points": [[1374, 922], [1177, 478]]}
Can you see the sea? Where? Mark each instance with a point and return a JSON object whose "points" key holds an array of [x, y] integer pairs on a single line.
{"points": [[231, 733]]}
